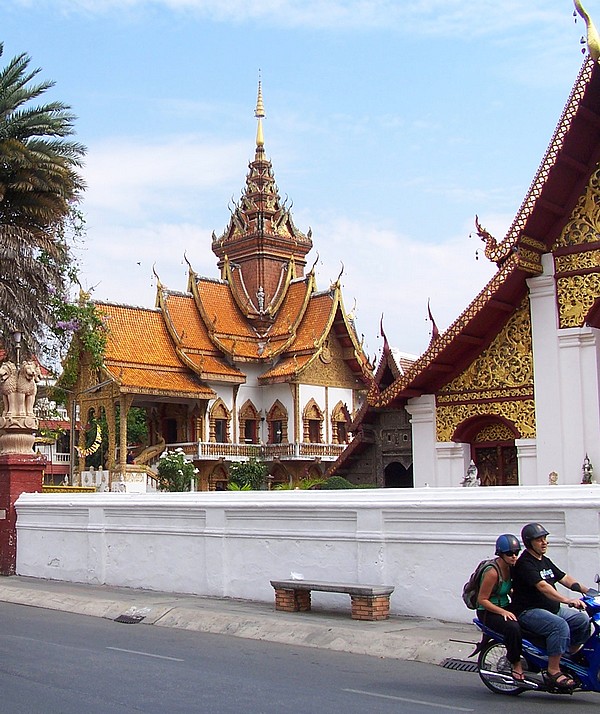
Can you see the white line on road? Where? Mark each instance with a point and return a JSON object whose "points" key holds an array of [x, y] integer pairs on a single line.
{"points": [[409, 701], [149, 654]]}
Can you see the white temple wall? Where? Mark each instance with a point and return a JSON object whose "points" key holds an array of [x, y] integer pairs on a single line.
{"points": [[425, 542]]}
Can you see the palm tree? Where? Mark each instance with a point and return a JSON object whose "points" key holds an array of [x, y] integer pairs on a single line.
{"points": [[39, 188]]}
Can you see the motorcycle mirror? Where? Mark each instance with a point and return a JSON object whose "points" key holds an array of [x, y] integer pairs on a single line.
{"points": [[597, 579]]}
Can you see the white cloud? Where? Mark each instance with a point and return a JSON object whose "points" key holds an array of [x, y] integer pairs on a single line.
{"points": [[427, 17], [394, 274], [138, 179]]}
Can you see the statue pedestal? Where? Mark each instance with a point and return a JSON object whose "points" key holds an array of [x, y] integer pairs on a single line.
{"points": [[19, 473]]}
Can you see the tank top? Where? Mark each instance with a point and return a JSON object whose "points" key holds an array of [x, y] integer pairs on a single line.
{"points": [[499, 594]]}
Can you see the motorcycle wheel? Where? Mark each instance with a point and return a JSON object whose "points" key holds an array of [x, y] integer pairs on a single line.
{"points": [[492, 658]]}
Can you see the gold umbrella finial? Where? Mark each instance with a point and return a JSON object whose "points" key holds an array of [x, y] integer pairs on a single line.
{"points": [[259, 113]]}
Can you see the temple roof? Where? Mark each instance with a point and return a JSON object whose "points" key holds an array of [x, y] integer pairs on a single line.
{"points": [[262, 310], [570, 160], [261, 248], [141, 357]]}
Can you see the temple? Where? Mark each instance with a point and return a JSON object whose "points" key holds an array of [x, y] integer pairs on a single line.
{"points": [[254, 363], [512, 387]]}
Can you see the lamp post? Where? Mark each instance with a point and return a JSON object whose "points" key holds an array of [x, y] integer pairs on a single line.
{"points": [[17, 337], [76, 396]]}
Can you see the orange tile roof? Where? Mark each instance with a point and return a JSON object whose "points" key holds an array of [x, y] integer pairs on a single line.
{"points": [[316, 322], [141, 356], [292, 308], [188, 324], [288, 367], [222, 315], [154, 380]]}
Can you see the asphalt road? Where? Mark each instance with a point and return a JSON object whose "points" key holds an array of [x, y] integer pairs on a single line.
{"points": [[59, 663]]}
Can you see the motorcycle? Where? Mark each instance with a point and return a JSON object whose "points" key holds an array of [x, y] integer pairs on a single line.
{"points": [[583, 667]]}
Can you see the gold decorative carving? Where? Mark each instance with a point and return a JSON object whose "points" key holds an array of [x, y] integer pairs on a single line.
{"points": [[506, 363], [576, 295], [494, 432], [335, 373], [584, 225], [520, 413], [577, 261], [464, 397]]}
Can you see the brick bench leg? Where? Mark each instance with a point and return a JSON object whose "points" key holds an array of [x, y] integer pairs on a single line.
{"points": [[292, 600], [371, 608]]}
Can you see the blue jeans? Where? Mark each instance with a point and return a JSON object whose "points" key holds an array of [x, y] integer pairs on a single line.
{"points": [[568, 628]]}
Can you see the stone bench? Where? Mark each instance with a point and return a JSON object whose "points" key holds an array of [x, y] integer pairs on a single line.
{"points": [[369, 602]]}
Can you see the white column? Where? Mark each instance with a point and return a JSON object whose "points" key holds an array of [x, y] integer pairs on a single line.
{"points": [[422, 411], [527, 461], [546, 371], [452, 463], [579, 349]]}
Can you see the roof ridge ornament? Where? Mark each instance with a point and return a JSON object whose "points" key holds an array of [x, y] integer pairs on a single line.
{"points": [[259, 113], [593, 38]]}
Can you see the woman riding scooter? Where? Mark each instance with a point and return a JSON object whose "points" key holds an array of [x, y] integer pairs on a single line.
{"points": [[493, 603]]}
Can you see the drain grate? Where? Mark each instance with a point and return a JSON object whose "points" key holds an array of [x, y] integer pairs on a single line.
{"points": [[130, 619], [460, 665]]}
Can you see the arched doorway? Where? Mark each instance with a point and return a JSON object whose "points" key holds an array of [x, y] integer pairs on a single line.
{"points": [[493, 449], [396, 475]]}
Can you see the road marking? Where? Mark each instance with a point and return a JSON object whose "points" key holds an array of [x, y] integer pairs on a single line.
{"points": [[146, 654], [408, 701]]}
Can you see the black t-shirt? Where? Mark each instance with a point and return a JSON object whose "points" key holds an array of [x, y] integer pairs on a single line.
{"points": [[527, 573]]}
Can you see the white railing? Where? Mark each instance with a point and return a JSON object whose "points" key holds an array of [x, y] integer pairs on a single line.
{"points": [[267, 452]]}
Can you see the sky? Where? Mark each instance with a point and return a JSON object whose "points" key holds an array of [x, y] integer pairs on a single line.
{"points": [[390, 125]]}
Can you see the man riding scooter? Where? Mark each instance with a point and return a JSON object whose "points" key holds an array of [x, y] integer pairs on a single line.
{"points": [[542, 609]]}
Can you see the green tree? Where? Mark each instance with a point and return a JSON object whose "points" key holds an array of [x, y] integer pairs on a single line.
{"points": [[247, 475], [39, 187]]}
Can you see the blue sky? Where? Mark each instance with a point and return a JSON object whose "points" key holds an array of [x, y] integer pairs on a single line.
{"points": [[390, 124]]}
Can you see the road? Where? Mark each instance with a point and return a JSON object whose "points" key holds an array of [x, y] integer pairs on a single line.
{"points": [[60, 663]]}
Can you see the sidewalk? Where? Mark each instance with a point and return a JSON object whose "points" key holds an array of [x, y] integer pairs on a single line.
{"points": [[407, 638]]}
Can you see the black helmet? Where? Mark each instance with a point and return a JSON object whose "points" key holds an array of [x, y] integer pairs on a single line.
{"points": [[507, 543], [532, 531]]}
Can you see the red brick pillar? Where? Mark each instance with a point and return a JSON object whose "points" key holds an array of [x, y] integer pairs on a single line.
{"points": [[19, 473]]}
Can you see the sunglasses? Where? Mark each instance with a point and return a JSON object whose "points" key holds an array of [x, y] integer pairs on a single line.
{"points": [[512, 552]]}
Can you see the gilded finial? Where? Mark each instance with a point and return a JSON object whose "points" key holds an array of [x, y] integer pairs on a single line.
{"points": [[259, 113], [593, 38]]}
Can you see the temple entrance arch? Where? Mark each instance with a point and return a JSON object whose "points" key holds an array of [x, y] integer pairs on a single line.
{"points": [[493, 450], [396, 475]]}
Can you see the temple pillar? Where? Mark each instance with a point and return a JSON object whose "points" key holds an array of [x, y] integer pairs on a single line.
{"points": [[19, 473]]}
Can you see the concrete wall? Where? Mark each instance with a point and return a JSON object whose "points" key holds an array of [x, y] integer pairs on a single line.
{"points": [[424, 541]]}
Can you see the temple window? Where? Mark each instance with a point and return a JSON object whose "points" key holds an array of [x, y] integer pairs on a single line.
{"points": [[219, 422], [339, 424], [313, 423], [249, 423], [277, 423]]}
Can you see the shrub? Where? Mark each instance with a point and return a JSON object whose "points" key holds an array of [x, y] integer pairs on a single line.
{"points": [[251, 473], [336, 482], [175, 472]]}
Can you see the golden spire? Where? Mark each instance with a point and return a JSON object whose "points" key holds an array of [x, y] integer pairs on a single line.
{"points": [[259, 113], [592, 39]]}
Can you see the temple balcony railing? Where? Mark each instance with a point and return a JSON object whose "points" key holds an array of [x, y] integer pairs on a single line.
{"points": [[213, 451]]}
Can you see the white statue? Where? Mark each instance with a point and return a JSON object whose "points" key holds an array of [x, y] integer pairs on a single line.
{"points": [[471, 477]]}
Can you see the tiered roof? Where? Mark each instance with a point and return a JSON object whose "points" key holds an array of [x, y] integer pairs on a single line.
{"points": [[263, 309]]}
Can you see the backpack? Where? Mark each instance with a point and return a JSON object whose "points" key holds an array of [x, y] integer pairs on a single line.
{"points": [[471, 587]]}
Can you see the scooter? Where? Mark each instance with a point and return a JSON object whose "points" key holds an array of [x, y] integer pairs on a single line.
{"points": [[583, 667]]}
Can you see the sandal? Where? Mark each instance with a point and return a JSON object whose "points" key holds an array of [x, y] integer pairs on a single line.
{"points": [[561, 680], [517, 676]]}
